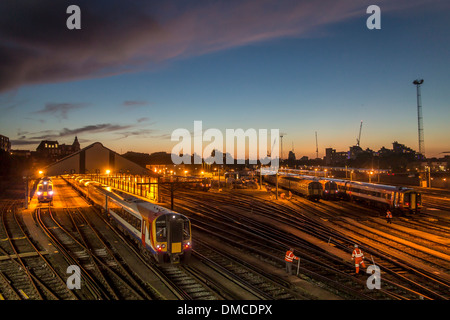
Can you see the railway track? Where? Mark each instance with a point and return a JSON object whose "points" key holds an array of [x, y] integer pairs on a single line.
{"points": [[258, 282], [25, 274], [264, 244], [398, 256], [408, 290], [82, 246], [184, 283]]}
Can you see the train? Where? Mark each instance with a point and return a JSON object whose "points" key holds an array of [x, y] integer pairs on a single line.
{"points": [[44, 190], [395, 198], [160, 233], [330, 189], [310, 188]]}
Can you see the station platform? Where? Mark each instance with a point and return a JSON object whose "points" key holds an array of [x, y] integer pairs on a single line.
{"points": [[34, 230]]}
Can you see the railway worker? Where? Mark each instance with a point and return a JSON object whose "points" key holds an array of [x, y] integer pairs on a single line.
{"points": [[388, 216], [358, 256], [288, 259]]}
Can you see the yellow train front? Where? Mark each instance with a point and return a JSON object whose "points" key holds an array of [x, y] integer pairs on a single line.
{"points": [[170, 237], [44, 190]]}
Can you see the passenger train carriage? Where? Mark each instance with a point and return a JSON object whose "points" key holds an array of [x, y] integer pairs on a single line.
{"points": [[161, 233], [306, 186], [44, 190], [396, 198]]}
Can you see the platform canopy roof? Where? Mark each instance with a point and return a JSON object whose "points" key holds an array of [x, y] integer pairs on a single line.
{"points": [[95, 159]]}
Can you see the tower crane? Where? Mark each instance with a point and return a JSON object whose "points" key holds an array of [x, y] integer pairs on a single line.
{"points": [[359, 137]]}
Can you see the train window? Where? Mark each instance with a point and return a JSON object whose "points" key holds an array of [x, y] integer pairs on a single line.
{"points": [[161, 229], [406, 197], [186, 233]]}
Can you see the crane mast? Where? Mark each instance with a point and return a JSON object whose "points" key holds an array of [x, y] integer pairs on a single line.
{"points": [[358, 141]]}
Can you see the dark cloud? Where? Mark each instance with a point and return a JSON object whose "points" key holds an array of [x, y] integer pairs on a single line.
{"points": [[126, 36], [36, 137], [134, 103], [141, 133], [60, 110], [143, 119], [106, 127]]}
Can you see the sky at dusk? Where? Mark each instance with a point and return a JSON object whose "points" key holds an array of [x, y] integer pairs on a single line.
{"points": [[138, 70]]}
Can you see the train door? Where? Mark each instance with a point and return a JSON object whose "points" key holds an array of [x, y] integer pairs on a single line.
{"points": [[394, 200], [144, 235], [175, 236], [413, 200]]}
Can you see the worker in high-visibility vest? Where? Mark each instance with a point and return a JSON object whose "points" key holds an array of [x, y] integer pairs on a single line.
{"points": [[388, 216], [358, 256], [288, 259]]}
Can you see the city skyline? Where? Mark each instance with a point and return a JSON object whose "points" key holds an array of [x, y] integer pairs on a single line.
{"points": [[298, 67]]}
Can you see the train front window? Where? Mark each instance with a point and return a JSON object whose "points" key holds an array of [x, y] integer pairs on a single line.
{"points": [[406, 198], [161, 229], [186, 230]]}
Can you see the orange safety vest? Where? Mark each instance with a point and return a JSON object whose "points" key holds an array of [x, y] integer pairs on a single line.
{"points": [[290, 256], [388, 214], [357, 253]]}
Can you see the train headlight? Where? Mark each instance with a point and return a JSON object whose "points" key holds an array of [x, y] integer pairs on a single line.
{"points": [[50, 193], [187, 245], [158, 247], [39, 193], [163, 245]]}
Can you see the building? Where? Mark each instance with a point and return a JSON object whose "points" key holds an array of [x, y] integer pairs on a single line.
{"points": [[335, 158], [5, 144], [94, 159], [52, 150], [399, 148]]}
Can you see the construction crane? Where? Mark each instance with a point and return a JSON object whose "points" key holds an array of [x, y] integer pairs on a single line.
{"points": [[281, 137], [358, 141]]}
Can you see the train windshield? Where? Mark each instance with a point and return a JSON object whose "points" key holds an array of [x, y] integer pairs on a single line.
{"points": [[161, 229], [186, 230]]}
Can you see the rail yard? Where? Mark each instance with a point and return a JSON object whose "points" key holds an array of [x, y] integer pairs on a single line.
{"points": [[228, 244]]}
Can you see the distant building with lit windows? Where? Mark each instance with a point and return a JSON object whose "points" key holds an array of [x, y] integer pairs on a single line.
{"points": [[52, 150], [5, 144]]}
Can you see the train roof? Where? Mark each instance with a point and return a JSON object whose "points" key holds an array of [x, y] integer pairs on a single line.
{"points": [[299, 177], [367, 185], [137, 204]]}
